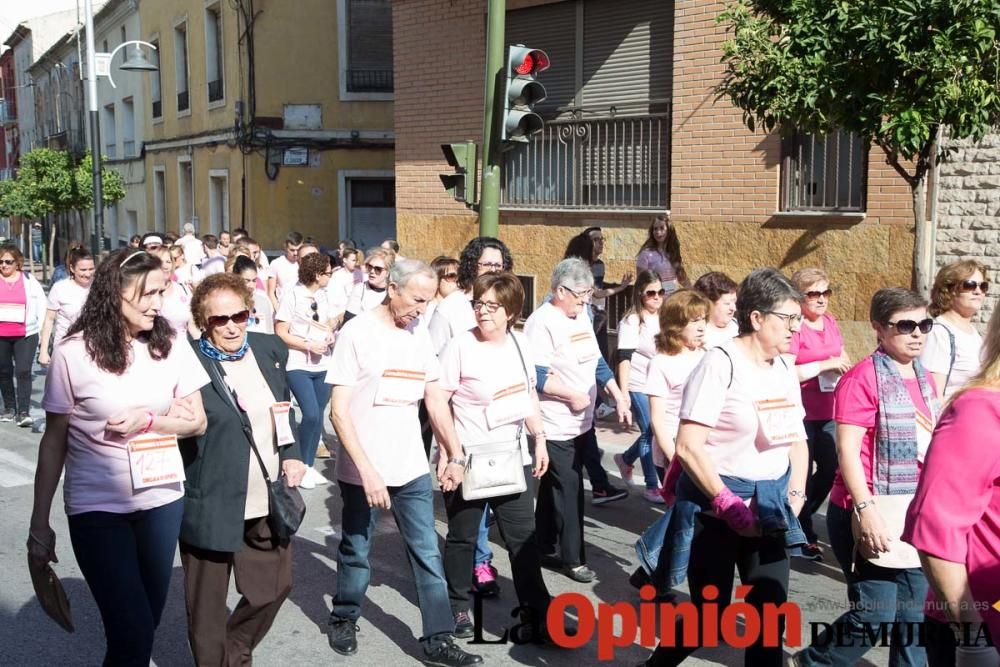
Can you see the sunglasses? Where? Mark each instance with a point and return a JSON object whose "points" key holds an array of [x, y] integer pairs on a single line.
{"points": [[315, 308], [907, 326], [814, 294], [377, 270], [971, 285], [7, 262], [449, 276], [650, 293], [222, 320]]}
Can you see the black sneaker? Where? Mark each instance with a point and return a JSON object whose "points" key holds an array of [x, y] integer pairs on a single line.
{"points": [[24, 420], [447, 654], [811, 551], [343, 636], [608, 494], [463, 625], [580, 573], [7, 416]]}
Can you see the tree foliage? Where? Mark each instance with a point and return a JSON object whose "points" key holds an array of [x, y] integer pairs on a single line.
{"points": [[50, 181]]}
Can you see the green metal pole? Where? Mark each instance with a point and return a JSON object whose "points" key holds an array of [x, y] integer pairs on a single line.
{"points": [[489, 201]]}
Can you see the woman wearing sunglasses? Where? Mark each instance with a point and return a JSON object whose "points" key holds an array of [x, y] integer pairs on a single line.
{"points": [[306, 324], [820, 360], [369, 294], [636, 347], [225, 525], [22, 309], [954, 345], [885, 408]]}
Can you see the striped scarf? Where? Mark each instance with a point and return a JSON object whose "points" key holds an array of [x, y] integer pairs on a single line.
{"points": [[896, 431]]}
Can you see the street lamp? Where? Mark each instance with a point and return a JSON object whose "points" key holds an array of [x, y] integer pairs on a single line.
{"points": [[99, 64]]}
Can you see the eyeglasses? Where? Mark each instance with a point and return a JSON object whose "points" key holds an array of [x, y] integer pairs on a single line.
{"points": [[222, 320], [377, 270], [650, 293], [451, 277], [971, 285], [815, 294], [492, 266], [791, 320], [315, 308], [907, 326], [585, 294], [491, 306], [7, 262]]}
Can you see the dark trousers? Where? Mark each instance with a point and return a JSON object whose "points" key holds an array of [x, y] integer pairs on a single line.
{"points": [[820, 436], [17, 354], [515, 518], [559, 513], [762, 562], [590, 455], [940, 650], [126, 560], [263, 576]]}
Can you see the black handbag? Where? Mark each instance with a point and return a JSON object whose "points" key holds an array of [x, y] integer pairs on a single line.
{"points": [[286, 505]]}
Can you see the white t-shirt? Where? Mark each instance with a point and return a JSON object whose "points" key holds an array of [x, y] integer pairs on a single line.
{"points": [[176, 309], [188, 275], [363, 298], [297, 304], [666, 379], [66, 298], [492, 390], [714, 336], [642, 339], [452, 316], [285, 274], [340, 286], [568, 348], [194, 249], [98, 478], [263, 313], [936, 356], [388, 369], [737, 443]]}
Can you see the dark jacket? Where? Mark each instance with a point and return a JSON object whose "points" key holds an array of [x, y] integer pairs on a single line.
{"points": [[216, 464]]}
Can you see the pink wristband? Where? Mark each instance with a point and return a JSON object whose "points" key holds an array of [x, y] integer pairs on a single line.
{"points": [[149, 422]]}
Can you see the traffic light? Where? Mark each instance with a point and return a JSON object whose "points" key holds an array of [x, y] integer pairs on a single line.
{"points": [[522, 92], [462, 184]]}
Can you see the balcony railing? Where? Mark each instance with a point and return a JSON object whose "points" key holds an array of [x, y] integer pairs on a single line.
{"points": [[369, 80], [157, 108], [111, 151], [182, 101], [606, 163], [128, 149], [8, 113], [215, 92]]}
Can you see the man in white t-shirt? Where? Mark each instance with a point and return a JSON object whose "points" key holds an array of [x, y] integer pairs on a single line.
{"points": [[284, 271], [382, 366]]}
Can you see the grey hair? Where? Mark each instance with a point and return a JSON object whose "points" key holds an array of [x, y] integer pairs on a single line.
{"points": [[572, 272], [890, 300], [188, 228], [401, 272], [763, 290]]}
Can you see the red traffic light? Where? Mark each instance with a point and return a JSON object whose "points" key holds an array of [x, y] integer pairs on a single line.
{"points": [[531, 62]]}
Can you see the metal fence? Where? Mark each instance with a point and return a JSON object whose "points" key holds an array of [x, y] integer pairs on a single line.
{"points": [[606, 163], [823, 172], [215, 91], [369, 80], [182, 101]]}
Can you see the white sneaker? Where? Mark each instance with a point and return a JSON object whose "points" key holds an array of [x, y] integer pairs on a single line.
{"points": [[316, 475], [653, 496], [307, 481]]}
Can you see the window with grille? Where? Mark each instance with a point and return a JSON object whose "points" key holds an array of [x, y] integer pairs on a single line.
{"points": [[369, 46], [823, 172]]}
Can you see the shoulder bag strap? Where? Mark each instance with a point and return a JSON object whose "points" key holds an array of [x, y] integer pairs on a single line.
{"points": [[527, 378], [732, 367], [247, 430]]}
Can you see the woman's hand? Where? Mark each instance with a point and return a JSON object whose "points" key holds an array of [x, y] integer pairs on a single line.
{"points": [[579, 402], [129, 422], [796, 502], [874, 538], [317, 348], [43, 358], [42, 546], [294, 470], [541, 458], [181, 408]]}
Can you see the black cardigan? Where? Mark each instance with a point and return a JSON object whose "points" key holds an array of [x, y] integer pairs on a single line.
{"points": [[216, 463]]}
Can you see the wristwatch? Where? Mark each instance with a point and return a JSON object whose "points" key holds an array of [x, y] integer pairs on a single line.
{"points": [[458, 462], [860, 506]]}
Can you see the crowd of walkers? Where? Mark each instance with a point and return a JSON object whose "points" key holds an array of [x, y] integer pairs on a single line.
{"points": [[749, 415]]}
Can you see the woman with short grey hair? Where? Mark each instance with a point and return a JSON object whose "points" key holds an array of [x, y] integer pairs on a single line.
{"points": [[569, 366], [741, 446]]}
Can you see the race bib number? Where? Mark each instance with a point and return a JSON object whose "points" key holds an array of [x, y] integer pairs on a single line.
{"points": [[282, 423], [508, 406], [828, 381], [583, 347], [12, 312], [780, 420], [400, 387], [155, 460], [925, 428]]}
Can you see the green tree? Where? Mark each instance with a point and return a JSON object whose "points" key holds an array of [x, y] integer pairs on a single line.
{"points": [[892, 71]]}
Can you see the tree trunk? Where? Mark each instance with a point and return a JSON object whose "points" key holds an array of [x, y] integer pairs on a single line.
{"points": [[923, 241]]}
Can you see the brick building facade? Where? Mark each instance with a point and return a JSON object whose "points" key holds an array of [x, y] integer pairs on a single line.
{"points": [[725, 194]]}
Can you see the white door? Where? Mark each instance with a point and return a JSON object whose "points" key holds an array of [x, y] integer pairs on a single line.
{"points": [[371, 211]]}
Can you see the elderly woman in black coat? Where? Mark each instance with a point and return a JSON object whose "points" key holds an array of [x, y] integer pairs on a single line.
{"points": [[225, 525]]}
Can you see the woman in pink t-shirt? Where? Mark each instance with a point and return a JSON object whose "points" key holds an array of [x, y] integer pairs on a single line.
{"points": [[820, 360], [120, 376], [954, 520], [22, 307], [721, 291], [661, 254], [885, 409]]}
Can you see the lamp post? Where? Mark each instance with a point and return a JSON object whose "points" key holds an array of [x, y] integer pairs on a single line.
{"points": [[137, 63]]}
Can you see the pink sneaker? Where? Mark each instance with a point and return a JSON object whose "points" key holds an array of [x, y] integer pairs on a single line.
{"points": [[654, 496], [623, 468], [485, 580]]}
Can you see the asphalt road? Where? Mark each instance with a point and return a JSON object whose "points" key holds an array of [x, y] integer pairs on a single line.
{"points": [[390, 621]]}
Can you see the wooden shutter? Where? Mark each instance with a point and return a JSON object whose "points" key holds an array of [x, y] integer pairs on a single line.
{"points": [[370, 34]]}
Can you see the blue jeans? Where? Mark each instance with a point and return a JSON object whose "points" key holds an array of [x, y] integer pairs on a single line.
{"points": [[877, 595], [483, 552], [127, 560], [642, 448], [413, 509], [312, 393]]}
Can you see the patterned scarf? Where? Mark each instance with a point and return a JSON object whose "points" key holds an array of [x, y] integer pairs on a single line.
{"points": [[896, 431], [213, 352]]}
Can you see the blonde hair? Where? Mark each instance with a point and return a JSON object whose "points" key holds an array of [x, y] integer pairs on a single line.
{"points": [[808, 277], [238, 251], [388, 256]]}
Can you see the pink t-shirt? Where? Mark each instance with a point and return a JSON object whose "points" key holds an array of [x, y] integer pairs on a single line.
{"points": [[14, 302], [809, 345], [492, 390], [388, 369], [176, 309], [737, 444], [667, 376], [660, 265], [285, 274], [631, 336], [856, 402], [955, 515], [66, 298], [97, 468], [452, 316], [568, 347], [296, 304]]}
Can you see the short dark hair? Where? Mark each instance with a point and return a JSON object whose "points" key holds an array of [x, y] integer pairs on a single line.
{"points": [[468, 262], [509, 291], [890, 300], [715, 284], [242, 263], [393, 244], [761, 291], [442, 262], [13, 251], [293, 238], [311, 266], [76, 255], [581, 246], [211, 241]]}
